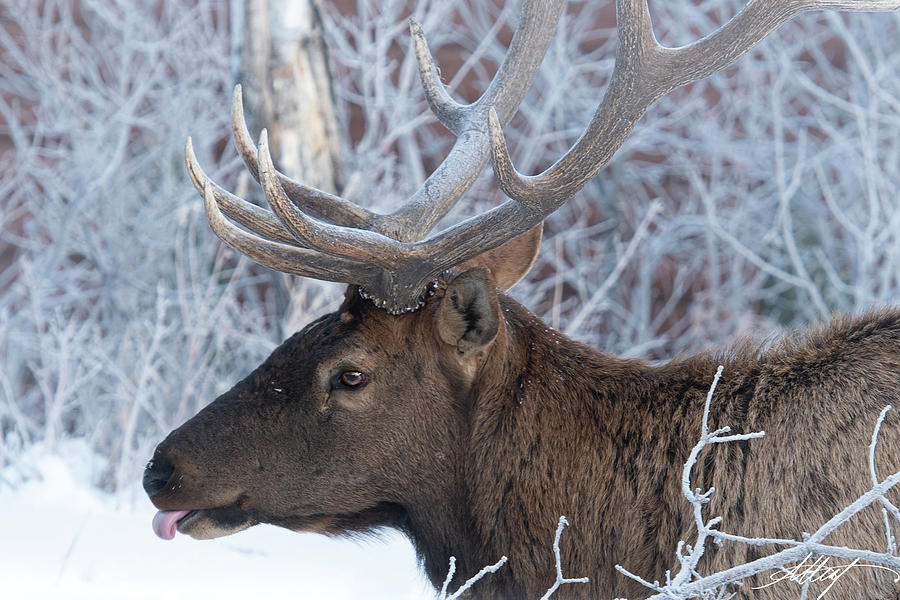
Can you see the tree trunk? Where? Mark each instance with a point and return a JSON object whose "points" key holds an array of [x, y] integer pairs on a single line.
{"points": [[287, 87]]}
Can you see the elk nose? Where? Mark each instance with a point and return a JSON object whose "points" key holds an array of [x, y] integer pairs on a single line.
{"points": [[157, 474]]}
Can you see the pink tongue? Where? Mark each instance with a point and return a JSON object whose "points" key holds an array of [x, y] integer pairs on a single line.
{"points": [[165, 522]]}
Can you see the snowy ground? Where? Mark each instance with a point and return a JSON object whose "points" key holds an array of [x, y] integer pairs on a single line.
{"points": [[62, 540]]}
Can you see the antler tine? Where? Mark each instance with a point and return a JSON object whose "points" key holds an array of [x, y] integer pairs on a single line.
{"points": [[281, 257], [447, 110], [321, 204], [644, 72], [513, 78], [749, 27], [348, 242], [249, 215], [443, 188]]}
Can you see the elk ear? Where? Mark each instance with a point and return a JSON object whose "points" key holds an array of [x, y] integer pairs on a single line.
{"points": [[510, 262], [470, 312]]}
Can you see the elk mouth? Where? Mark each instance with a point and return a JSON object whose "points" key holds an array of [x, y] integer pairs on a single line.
{"points": [[202, 524]]}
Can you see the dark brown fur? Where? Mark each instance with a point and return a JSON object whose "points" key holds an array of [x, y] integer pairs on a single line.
{"points": [[475, 450]]}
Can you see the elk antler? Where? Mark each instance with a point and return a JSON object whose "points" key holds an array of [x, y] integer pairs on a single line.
{"points": [[320, 235]]}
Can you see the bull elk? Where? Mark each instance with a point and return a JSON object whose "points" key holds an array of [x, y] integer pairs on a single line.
{"points": [[433, 403]]}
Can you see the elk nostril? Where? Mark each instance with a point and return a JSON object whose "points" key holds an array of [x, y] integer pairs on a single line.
{"points": [[157, 475]]}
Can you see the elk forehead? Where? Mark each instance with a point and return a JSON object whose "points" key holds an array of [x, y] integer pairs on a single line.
{"points": [[374, 327]]}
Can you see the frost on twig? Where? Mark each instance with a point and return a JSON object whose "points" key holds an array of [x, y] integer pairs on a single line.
{"points": [[689, 583], [560, 579], [470, 582], [887, 505]]}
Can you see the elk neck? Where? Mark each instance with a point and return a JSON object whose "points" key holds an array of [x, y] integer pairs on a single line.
{"points": [[542, 412]]}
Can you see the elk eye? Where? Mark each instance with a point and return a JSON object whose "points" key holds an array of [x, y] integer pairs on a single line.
{"points": [[352, 379]]}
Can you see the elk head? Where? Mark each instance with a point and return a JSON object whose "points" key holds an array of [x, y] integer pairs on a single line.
{"points": [[347, 421]]}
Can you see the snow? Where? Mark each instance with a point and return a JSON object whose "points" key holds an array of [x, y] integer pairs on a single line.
{"points": [[62, 538]]}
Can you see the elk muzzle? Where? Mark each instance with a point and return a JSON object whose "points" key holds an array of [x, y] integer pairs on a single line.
{"points": [[177, 494]]}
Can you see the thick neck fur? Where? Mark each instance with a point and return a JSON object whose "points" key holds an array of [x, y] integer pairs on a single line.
{"points": [[549, 419]]}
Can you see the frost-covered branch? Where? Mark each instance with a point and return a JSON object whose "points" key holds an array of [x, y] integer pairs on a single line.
{"points": [[888, 506], [469, 582], [560, 580], [689, 583]]}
